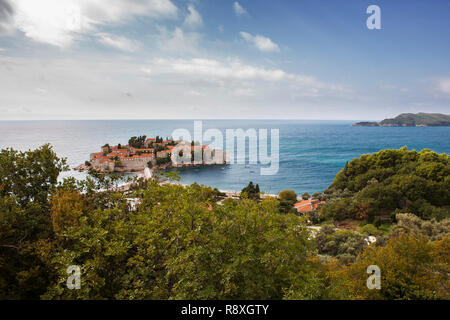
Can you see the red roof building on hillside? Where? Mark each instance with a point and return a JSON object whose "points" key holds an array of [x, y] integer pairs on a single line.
{"points": [[95, 155], [121, 150], [113, 154], [308, 205], [142, 150]]}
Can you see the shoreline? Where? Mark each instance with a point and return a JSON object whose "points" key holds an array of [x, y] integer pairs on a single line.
{"points": [[229, 193], [150, 174]]}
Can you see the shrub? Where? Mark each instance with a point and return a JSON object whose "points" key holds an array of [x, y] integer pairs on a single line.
{"points": [[288, 195]]}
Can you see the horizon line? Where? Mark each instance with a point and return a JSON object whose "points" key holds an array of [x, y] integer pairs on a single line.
{"points": [[186, 119]]}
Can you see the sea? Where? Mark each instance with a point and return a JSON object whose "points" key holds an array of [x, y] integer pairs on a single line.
{"points": [[311, 153]]}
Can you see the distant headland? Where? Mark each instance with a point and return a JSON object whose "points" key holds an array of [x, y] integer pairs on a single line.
{"points": [[153, 153], [411, 120]]}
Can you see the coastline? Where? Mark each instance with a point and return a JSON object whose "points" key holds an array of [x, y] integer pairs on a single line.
{"points": [[229, 193], [148, 174]]}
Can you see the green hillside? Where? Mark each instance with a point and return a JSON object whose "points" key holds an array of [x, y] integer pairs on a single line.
{"points": [[375, 186], [411, 120], [419, 119]]}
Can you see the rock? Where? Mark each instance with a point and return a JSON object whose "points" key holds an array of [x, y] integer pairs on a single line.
{"points": [[82, 167]]}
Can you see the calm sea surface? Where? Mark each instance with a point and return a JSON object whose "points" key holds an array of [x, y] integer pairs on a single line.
{"points": [[311, 152]]}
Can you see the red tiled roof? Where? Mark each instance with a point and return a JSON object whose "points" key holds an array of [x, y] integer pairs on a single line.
{"points": [[308, 205], [96, 154], [121, 150], [112, 154], [144, 156], [142, 150]]}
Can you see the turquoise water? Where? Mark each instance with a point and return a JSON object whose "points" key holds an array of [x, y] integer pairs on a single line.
{"points": [[311, 152]]}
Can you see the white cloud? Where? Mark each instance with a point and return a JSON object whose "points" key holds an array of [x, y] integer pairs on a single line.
{"points": [[84, 88], [117, 42], [6, 17], [260, 42], [444, 85], [193, 19], [238, 9], [58, 22], [233, 69], [179, 41], [240, 79]]}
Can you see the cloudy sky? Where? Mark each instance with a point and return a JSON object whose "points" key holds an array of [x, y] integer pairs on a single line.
{"points": [[153, 59]]}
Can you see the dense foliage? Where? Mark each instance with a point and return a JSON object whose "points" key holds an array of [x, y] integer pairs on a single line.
{"points": [[137, 142], [27, 179], [190, 243], [251, 191], [411, 268], [344, 245], [375, 187], [287, 200]]}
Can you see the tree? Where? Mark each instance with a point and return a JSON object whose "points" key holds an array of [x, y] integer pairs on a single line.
{"points": [[411, 268], [305, 196], [317, 195], [411, 224], [106, 149], [287, 195], [29, 177], [182, 242], [251, 191], [66, 209], [392, 181], [345, 245], [26, 181], [180, 245], [137, 142], [287, 199]]}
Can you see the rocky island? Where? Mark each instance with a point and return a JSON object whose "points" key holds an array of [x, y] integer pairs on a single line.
{"points": [[411, 120], [153, 153]]}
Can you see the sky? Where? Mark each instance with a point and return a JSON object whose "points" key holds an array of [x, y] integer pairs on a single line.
{"points": [[216, 59]]}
